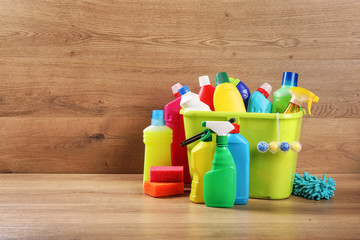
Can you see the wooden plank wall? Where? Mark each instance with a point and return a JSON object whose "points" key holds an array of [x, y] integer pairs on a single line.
{"points": [[78, 79]]}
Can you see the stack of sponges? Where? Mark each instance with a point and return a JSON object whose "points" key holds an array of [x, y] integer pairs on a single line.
{"points": [[165, 181], [312, 187]]}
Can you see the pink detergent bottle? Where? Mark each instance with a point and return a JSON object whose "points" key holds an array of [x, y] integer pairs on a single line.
{"points": [[174, 120]]}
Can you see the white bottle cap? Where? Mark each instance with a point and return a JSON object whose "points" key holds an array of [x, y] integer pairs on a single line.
{"points": [[175, 88], [267, 87], [204, 80]]}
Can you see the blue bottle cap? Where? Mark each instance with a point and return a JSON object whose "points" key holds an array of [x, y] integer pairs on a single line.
{"points": [[157, 118], [290, 79], [184, 90]]}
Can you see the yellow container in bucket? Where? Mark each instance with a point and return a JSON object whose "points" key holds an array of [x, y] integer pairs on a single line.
{"points": [[271, 175]]}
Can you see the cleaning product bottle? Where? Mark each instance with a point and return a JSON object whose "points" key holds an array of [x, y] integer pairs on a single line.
{"points": [[220, 181], [242, 88], [157, 139], [258, 101], [206, 92], [226, 97], [299, 96], [201, 161], [282, 97], [239, 148], [174, 120], [191, 101]]}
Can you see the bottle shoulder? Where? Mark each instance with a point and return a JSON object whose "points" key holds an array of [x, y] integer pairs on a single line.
{"points": [[237, 138], [158, 129]]}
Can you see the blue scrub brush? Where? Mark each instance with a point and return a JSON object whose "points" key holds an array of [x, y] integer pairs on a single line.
{"points": [[311, 187]]}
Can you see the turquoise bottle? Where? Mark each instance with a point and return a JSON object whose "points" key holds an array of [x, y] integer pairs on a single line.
{"points": [[239, 148], [258, 102], [282, 97]]}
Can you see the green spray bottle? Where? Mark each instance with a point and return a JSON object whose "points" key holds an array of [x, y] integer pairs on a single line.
{"points": [[220, 181]]}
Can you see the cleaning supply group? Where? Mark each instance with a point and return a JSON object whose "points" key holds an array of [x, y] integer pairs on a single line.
{"points": [[218, 173]]}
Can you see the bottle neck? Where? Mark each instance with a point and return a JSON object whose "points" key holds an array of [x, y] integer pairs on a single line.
{"points": [[222, 141], [263, 92]]}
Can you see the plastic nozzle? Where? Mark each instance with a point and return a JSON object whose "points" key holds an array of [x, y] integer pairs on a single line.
{"points": [[185, 89], [221, 77], [221, 128], [301, 95], [157, 118], [175, 89], [265, 89], [290, 79], [204, 80]]}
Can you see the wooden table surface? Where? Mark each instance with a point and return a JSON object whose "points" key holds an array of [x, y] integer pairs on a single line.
{"points": [[48, 206]]}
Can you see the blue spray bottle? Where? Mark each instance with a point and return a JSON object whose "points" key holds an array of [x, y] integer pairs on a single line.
{"points": [[242, 88], [239, 148], [258, 101]]}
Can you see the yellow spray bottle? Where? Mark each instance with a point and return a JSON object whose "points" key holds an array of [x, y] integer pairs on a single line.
{"points": [[299, 96], [202, 156]]}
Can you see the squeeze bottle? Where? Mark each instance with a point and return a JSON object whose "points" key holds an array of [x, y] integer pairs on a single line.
{"points": [[220, 181], [239, 148], [299, 96], [206, 92], [157, 139], [226, 97], [174, 120], [282, 97], [258, 101], [242, 88], [191, 101], [201, 160]]}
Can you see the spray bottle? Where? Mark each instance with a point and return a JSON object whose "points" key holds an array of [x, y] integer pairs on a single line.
{"points": [[220, 181], [174, 120], [242, 88], [239, 148], [226, 97], [299, 96], [258, 102], [206, 92], [282, 97], [157, 139], [201, 161]]}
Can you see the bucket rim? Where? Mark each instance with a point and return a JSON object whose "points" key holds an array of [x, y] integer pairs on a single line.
{"points": [[190, 113]]}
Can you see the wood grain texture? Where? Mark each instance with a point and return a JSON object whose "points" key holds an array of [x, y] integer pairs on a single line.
{"points": [[56, 206], [79, 78]]}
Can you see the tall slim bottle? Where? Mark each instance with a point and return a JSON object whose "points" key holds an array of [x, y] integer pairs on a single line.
{"points": [[157, 139], [174, 120], [282, 97], [239, 148]]}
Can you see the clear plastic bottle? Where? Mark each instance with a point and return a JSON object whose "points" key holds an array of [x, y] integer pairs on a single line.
{"points": [[157, 139]]}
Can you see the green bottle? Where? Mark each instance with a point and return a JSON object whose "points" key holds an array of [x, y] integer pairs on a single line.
{"points": [[220, 181], [282, 97]]}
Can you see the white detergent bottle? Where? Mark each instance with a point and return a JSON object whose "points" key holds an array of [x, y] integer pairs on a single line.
{"points": [[191, 101]]}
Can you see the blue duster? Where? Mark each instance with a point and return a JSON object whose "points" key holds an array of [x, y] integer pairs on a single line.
{"points": [[312, 187]]}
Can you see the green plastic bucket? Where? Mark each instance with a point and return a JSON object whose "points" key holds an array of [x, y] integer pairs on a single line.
{"points": [[271, 175]]}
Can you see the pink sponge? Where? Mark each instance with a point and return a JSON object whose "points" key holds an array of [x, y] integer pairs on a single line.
{"points": [[157, 189], [167, 174]]}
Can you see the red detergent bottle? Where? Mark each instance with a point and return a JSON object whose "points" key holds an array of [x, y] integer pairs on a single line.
{"points": [[206, 92], [174, 120]]}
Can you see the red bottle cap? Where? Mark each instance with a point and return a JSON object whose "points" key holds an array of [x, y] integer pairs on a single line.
{"points": [[236, 129]]}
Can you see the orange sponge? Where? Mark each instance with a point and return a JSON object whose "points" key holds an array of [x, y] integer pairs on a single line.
{"points": [[159, 189]]}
